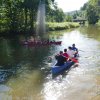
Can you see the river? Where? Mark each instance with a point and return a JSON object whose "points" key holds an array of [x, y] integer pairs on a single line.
{"points": [[25, 71]]}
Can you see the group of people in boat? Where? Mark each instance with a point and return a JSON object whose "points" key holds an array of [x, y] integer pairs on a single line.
{"points": [[67, 55]]}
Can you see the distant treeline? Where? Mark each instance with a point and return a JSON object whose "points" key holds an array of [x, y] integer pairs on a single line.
{"points": [[90, 11]]}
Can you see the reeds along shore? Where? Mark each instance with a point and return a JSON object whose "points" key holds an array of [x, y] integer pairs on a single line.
{"points": [[61, 26]]}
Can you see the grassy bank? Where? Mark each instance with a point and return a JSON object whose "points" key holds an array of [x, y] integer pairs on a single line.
{"points": [[61, 26], [50, 26]]}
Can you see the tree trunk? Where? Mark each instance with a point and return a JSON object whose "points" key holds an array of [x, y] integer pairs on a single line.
{"points": [[25, 28]]}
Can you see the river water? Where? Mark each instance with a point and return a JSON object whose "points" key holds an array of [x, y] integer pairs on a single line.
{"points": [[25, 71]]}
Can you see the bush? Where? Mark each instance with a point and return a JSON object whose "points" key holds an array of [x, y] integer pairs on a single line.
{"points": [[61, 26]]}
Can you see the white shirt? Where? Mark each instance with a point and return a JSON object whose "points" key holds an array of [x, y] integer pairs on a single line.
{"points": [[71, 53]]}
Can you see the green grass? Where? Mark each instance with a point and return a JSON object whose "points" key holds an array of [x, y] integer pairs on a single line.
{"points": [[61, 26]]}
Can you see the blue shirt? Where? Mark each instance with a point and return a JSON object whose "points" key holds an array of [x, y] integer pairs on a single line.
{"points": [[74, 48]]}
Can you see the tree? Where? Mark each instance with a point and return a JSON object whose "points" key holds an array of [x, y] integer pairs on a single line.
{"points": [[68, 18], [55, 14], [92, 9], [84, 6], [92, 15], [96, 4]]}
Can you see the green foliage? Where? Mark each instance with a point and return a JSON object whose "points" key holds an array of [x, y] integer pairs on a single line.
{"points": [[20, 15], [92, 15], [92, 9], [84, 6], [55, 14], [61, 26], [96, 4], [76, 15], [68, 18]]}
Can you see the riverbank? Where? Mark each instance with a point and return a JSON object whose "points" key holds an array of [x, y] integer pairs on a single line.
{"points": [[50, 26], [61, 26]]}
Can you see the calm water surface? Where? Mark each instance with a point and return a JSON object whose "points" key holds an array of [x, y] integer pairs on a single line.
{"points": [[25, 71]]}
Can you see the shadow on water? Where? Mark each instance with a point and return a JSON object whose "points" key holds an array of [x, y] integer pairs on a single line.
{"points": [[14, 56]]}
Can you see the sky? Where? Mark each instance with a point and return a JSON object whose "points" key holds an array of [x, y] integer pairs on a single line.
{"points": [[70, 5]]}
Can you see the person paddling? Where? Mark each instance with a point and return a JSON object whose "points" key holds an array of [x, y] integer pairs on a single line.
{"points": [[75, 49], [60, 59], [70, 52], [65, 54]]}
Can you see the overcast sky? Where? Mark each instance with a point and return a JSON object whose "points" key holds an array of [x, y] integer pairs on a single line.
{"points": [[70, 5]]}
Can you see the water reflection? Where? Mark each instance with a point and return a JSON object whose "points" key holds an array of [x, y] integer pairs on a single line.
{"points": [[26, 70], [91, 32]]}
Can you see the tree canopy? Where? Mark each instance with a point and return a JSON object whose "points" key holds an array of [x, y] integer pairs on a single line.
{"points": [[92, 9]]}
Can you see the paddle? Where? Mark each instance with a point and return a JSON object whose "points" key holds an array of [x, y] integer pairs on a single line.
{"points": [[74, 60]]}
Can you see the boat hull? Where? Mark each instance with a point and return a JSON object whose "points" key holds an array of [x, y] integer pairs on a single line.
{"points": [[60, 69]]}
